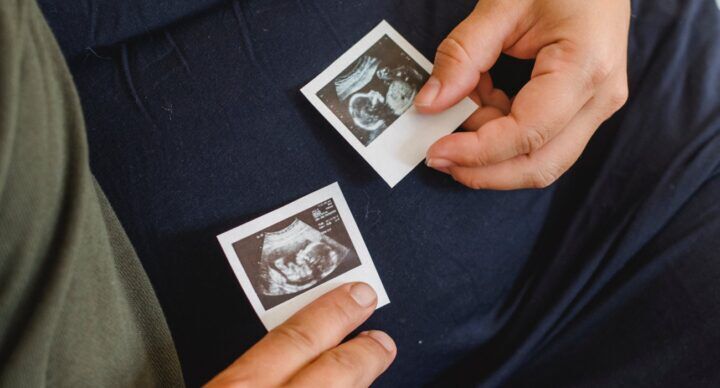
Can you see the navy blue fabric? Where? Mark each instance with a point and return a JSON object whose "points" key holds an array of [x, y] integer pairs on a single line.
{"points": [[84, 26], [609, 277]]}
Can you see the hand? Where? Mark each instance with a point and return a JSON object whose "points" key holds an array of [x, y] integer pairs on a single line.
{"points": [[579, 80], [305, 350]]}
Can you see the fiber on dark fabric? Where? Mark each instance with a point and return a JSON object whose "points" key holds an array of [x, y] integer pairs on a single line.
{"points": [[609, 277]]}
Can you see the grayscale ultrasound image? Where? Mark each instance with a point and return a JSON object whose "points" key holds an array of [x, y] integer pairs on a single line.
{"points": [[375, 90], [297, 254]]}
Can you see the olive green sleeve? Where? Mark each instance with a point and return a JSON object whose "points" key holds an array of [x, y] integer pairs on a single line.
{"points": [[76, 308]]}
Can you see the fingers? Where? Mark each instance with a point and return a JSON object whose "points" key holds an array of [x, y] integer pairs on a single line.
{"points": [[493, 103], [542, 168], [470, 49], [537, 170], [356, 363], [316, 328], [560, 86], [482, 116]]}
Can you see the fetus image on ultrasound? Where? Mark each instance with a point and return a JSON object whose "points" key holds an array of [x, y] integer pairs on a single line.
{"points": [[297, 254], [375, 90], [296, 258]]}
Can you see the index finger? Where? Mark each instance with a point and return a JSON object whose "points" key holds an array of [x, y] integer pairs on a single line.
{"points": [[316, 328], [356, 363], [560, 86]]}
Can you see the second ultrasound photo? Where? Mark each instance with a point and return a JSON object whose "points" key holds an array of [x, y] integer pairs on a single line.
{"points": [[370, 94]]}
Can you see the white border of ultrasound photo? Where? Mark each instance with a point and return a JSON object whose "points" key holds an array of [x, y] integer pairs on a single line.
{"points": [[404, 144], [366, 272]]}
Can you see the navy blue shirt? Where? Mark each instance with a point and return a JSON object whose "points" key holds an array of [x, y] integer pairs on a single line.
{"points": [[609, 277]]}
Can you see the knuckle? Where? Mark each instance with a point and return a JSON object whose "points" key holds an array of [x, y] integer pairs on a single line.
{"points": [[476, 184], [452, 49], [619, 97], [343, 313], [482, 154], [538, 181], [297, 336], [591, 68], [569, 57], [481, 157], [600, 70], [344, 359], [532, 140], [544, 177]]}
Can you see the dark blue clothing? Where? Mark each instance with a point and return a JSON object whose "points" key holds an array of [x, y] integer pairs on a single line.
{"points": [[609, 277]]}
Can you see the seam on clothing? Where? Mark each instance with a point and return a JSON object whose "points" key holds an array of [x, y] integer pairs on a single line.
{"points": [[341, 42], [592, 288], [245, 32], [130, 83], [92, 10], [170, 39], [241, 16], [611, 285]]}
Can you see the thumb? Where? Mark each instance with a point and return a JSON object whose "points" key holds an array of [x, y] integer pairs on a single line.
{"points": [[472, 48]]}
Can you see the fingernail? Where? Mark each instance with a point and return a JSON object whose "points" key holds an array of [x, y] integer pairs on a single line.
{"points": [[429, 92], [438, 163], [381, 338], [363, 294]]}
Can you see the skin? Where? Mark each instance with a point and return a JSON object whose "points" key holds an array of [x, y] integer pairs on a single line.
{"points": [[579, 81], [306, 351]]}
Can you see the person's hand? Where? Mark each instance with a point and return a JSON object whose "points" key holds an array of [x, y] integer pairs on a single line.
{"points": [[305, 351], [579, 80]]}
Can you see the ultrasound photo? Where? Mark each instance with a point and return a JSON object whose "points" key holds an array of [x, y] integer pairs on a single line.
{"points": [[297, 254], [371, 93]]}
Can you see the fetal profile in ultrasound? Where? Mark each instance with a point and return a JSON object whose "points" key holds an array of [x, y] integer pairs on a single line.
{"points": [[297, 254], [375, 90]]}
